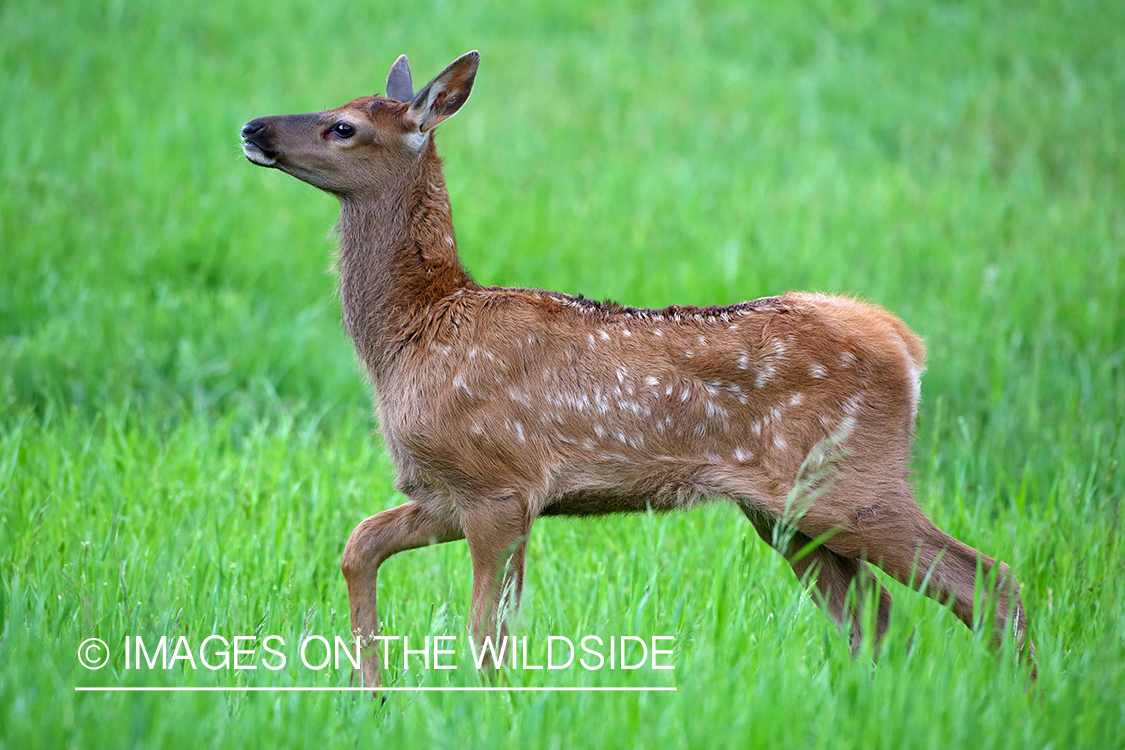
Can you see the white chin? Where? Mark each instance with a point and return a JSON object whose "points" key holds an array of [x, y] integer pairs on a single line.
{"points": [[254, 154]]}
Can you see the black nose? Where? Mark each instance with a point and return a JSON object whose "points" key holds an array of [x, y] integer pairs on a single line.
{"points": [[252, 128]]}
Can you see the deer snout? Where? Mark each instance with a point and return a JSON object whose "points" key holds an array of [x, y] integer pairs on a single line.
{"points": [[255, 140], [252, 128]]}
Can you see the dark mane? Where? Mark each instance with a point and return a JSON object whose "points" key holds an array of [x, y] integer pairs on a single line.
{"points": [[611, 308]]}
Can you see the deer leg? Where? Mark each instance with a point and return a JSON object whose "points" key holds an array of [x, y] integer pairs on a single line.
{"points": [[833, 575], [947, 569], [496, 531], [408, 526], [899, 538]]}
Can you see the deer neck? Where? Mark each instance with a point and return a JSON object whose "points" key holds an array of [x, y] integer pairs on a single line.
{"points": [[397, 260]]}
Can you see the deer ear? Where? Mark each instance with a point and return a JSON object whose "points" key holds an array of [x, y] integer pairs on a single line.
{"points": [[443, 96], [400, 87]]}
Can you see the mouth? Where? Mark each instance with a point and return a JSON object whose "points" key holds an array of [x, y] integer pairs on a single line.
{"points": [[263, 157]]}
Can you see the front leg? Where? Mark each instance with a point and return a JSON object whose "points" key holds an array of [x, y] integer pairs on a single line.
{"points": [[408, 526], [497, 531]]}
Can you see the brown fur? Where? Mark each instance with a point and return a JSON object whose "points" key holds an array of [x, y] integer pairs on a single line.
{"points": [[502, 405]]}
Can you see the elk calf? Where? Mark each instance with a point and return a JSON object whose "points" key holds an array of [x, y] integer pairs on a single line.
{"points": [[503, 405]]}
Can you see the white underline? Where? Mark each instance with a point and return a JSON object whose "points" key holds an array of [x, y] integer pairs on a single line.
{"points": [[345, 689]]}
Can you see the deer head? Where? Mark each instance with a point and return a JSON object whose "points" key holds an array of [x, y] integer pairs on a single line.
{"points": [[361, 147]]}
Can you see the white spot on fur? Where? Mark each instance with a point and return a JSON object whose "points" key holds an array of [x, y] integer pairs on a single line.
{"points": [[742, 362], [657, 332], [714, 410], [847, 359], [796, 399], [763, 375], [741, 456], [652, 382], [626, 332], [603, 335], [459, 382], [779, 442], [448, 240], [915, 390], [519, 432], [817, 371]]}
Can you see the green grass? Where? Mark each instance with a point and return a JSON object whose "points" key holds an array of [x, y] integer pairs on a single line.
{"points": [[185, 440]]}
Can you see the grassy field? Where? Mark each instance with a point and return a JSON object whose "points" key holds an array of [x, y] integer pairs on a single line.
{"points": [[185, 440]]}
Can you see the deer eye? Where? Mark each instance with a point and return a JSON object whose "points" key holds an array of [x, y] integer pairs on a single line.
{"points": [[343, 129]]}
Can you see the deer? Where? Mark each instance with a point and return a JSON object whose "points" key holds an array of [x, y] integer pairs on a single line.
{"points": [[498, 406]]}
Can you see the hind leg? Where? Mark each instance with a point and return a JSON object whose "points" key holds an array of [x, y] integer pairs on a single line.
{"points": [[946, 569], [833, 576], [889, 529]]}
